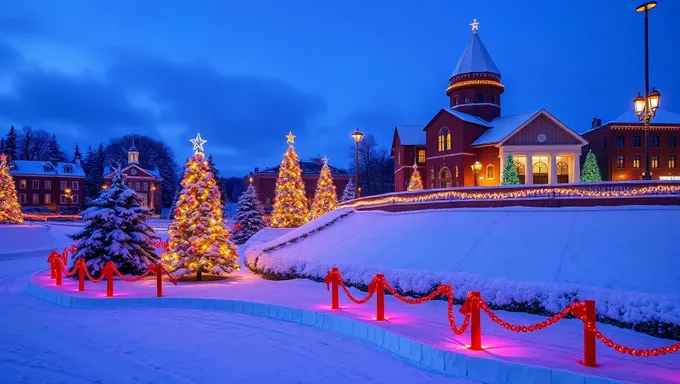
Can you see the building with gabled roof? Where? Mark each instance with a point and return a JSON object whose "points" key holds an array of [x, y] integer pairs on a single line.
{"points": [[619, 146], [146, 181], [472, 129]]}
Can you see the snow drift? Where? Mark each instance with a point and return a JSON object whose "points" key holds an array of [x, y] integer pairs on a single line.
{"points": [[625, 258], [31, 237]]}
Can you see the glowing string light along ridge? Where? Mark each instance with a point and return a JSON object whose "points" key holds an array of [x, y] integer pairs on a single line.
{"points": [[198, 143]]}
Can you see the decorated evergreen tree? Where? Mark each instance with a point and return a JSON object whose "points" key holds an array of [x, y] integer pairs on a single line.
{"points": [[116, 230], [590, 172], [325, 197], [509, 176], [416, 182], [349, 192], [248, 216], [290, 199], [199, 241], [10, 210]]}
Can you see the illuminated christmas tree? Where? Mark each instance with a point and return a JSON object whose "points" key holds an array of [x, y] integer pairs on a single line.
{"points": [[290, 200], [416, 182], [199, 241], [509, 175], [325, 197], [590, 172], [10, 210]]}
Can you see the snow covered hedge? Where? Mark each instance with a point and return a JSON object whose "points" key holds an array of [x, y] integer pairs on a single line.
{"points": [[657, 315]]}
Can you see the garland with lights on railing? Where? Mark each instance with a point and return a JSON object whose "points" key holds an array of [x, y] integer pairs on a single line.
{"points": [[590, 192], [58, 268], [50, 216], [474, 305], [307, 234]]}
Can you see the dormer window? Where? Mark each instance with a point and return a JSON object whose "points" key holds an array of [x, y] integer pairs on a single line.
{"points": [[47, 168], [12, 166], [68, 168]]}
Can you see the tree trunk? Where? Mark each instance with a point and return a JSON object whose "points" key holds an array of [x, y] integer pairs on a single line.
{"points": [[199, 276]]}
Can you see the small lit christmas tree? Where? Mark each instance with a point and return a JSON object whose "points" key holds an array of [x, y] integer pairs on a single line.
{"points": [[199, 241], [116, 230], [509, 176], [349, 192], [325, 197], [248, 216], [10, 210], [290, 199], [590, 172], [416, 182]]}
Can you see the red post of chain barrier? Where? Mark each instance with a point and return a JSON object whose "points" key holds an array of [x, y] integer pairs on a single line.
{"points": [[159, 280], [475, 321], [57, 270], [335, 295], [108, 271], [380, 293], [80, 264], [589, 340]]}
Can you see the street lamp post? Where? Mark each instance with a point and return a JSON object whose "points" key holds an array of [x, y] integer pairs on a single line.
{"points": [[357, 138], [645, 107], [476, 167]]}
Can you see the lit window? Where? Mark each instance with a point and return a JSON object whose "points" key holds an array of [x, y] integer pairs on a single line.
{"points": [[48, 198], [490, 172], [36, 184], [620, 163], [444, 178], [398, 158], [36, 198], [636, 161], [444, 140], [671, 162], [22, 184], [421, 156], [655, 161], [431, 178], [655, 141]]}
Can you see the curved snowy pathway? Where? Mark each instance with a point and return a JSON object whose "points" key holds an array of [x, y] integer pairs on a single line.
{"points": [[47, 343]]}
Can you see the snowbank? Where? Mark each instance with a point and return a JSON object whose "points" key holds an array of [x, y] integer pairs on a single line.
{"points": [[31, 237], [522, 258]]}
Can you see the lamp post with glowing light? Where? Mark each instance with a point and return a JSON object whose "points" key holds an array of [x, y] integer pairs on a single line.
{"points": [[476, 167], [357, 138], [645, 107], [67, 191]]}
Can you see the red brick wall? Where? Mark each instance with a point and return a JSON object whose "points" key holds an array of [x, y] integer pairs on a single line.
{"points": [[265, 186], [55, 191], [488, 156], [542, 125]]}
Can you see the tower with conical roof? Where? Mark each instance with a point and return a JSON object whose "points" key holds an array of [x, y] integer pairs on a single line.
{"points": [[475, 86]]}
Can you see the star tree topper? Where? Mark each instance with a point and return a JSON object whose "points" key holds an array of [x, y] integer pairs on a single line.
{"points": [[198, 143], [290, 137], [325, 160], [474, 25]]}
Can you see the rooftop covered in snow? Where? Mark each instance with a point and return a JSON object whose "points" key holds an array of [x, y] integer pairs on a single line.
{"points": [[410, 134], [475, 58], [45, 168]]}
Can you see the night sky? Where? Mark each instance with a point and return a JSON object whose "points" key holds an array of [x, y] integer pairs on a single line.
{"points": [[244, 73]]}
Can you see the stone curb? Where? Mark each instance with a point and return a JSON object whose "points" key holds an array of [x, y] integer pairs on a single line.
{"points": [[443, 362]]}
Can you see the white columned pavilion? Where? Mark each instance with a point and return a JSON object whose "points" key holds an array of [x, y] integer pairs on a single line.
{"points": [[566, 155]]}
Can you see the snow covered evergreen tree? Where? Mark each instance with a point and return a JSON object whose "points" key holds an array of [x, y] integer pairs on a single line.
{"points": [[248, 216], [509, 176], [116, 230], [590, 172], [349, 192]]}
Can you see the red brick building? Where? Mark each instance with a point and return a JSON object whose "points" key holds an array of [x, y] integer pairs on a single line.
{"points": [[472, 130], [619, 146], [264, 181], [145, 181], [49, 184]]}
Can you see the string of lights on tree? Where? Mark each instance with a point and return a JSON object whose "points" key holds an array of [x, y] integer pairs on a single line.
{"points": [[290, 199], [325, 197], [415, 183], [10, 209]]}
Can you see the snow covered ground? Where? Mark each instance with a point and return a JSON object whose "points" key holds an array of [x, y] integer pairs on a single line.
{"points": [[624, 258], [46, 343]]}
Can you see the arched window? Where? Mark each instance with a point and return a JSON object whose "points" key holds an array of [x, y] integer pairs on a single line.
{"points": [[444, 140], [490, 171], [68, 168], [540, 170], [562, 172], [480, 98], [421, 156], [444, 178], [521, 172], [47, 168]]}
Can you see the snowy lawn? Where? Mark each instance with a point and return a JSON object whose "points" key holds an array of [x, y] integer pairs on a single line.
{"points": [[624, 258], [46, 343]]}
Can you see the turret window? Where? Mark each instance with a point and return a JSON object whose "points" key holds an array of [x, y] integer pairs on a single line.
{"points": [[455, 100], [492, 99], [480, 98], [444, 140], [466, 99]]}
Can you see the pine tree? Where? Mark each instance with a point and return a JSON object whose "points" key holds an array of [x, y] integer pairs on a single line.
{"points": [[199, 239], [349, 192], [76, 152], [11, 143], [248, 216], [55, 152], [509, 175], [116, 230], [290, 199], [415, 183], [590, 172], [325, 197], [2, 145], [10, 209], [218, 179]]}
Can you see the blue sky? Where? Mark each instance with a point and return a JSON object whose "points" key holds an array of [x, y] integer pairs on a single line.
{"points": [[244, 73]]}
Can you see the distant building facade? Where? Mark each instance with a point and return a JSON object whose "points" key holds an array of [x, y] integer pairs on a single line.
{"points": [[49, 184], [264, 181], [545, 151], [619, 146], [145, 181]]}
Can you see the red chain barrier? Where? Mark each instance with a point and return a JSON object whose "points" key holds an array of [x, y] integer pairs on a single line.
{"points": [[448, 291], [439, 291], [333, 277], [528, 328]]}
